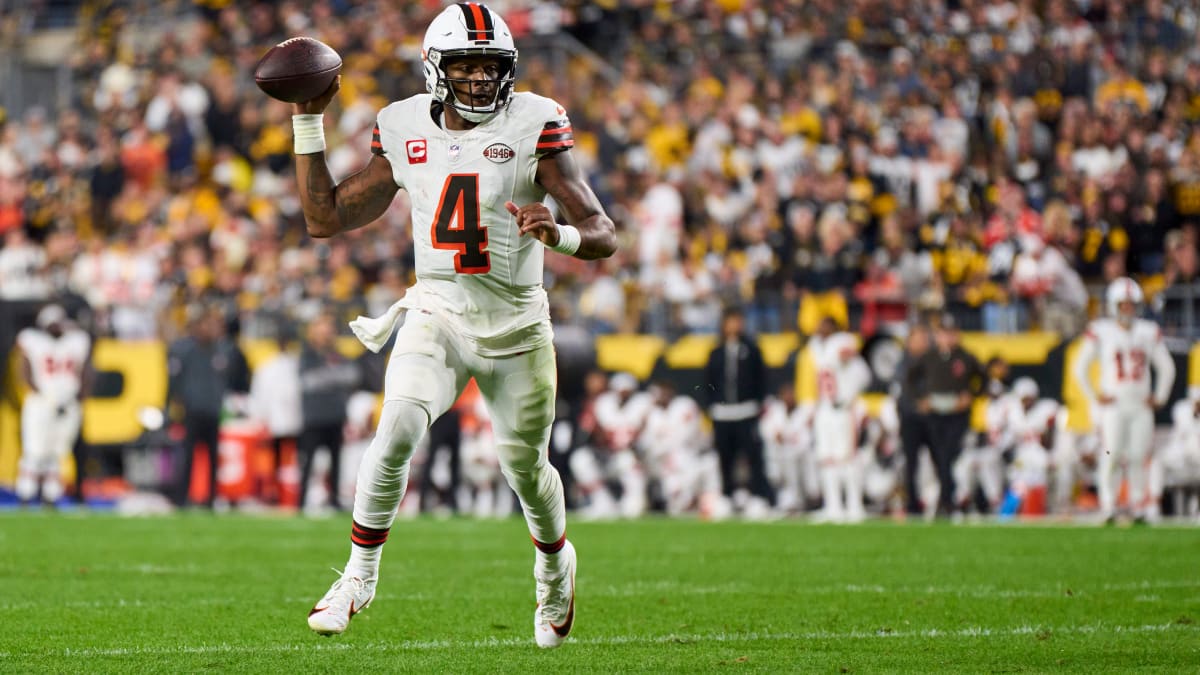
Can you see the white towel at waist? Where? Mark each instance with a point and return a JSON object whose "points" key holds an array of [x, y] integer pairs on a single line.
{"points": [[374, 332]]}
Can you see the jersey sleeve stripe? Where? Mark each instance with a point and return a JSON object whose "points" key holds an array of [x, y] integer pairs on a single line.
{"points": [[376, 141], [555, 138], [566, 143], [549, 134]]}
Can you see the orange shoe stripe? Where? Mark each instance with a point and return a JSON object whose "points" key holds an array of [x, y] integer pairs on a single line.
{"points": [[565, 628]]}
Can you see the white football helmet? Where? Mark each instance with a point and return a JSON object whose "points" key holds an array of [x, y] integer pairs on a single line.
{"points": [[1025, 387], [845, 346], [468, 29], [1122, 290]]}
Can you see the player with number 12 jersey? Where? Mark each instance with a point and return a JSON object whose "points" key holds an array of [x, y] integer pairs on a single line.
{"points": [[1123, 407]]}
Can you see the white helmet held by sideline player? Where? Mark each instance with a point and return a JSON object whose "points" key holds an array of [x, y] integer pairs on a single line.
{"points": [[1120, 291], [468, 29]]}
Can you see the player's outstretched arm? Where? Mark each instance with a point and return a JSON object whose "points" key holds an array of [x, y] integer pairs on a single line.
{"points": [[560, 176], [329, 207]]}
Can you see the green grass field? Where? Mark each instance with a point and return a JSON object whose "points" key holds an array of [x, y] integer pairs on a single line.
{"points": [[94, 593]]}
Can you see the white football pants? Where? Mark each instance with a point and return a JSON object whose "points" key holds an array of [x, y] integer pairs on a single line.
{"points": [[429, 366], [841, 474], [48, 432], [1125, 437]]}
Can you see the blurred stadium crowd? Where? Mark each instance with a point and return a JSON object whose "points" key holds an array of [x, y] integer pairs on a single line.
{"points": [[862, 159]]}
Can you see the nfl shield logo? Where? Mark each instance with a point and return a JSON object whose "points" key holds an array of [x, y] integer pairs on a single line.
{"points": [[454, 150]]}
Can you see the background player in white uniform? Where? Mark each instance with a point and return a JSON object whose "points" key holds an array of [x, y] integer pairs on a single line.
{"points": [[1180, 460], [879, 454], [842, 375], [1032, 422], [620, 415], [1069, 462], [981, 462], [786, 428], [54, 364], [677, 450], [467, 154], [1127, 347]]}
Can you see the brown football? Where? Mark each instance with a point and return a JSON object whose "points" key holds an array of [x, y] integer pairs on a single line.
{"points": [[297, 70]]}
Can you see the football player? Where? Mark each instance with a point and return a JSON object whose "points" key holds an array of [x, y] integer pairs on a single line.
{"points": [[620, 416], [1127, 348], [981, 462], [1180, 461], [786, 430], [842, 376], [476, 159], [1032, 422], [54, 365], [879, 454], [678, 451]]}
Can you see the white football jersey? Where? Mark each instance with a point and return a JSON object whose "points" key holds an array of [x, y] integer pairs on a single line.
{"points": [[789, 429], [1185, 430], [1029, 426], [473, 265], [56, 364], [674, 432], [623, 422], [1126, 356], [839, 383], [996, 417]]}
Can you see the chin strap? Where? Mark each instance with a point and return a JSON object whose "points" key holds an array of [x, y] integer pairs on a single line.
{"points": [[478, 117]]}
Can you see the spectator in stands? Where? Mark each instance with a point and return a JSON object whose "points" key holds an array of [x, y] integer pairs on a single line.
{"points": [[203, 368], [1042, 275], [327, 379], [1180, 300], [736, 385], [22, 268]]}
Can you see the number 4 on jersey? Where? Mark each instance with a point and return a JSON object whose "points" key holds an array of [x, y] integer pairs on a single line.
{"points": [[457, 225]]}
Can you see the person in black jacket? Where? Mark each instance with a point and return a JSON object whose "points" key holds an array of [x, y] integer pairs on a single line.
{"points": [[202, 368], [914, 425], [736, 380], [952, 378], [327, 379]]}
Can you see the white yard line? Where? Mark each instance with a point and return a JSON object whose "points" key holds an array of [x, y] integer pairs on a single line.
{"points": [[675, 588], [316, 645]]}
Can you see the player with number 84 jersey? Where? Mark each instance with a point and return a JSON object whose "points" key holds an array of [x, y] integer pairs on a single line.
{"points": [[471, 261]]}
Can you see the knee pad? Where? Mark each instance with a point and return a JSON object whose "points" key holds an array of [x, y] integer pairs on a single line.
{"points": [[402, 423]]}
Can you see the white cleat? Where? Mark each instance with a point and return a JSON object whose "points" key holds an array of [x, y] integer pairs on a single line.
{"points": [[555, 612], [348, 596]]}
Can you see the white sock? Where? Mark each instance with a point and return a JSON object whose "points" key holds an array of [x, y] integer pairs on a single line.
{"points": [[382, 482]]}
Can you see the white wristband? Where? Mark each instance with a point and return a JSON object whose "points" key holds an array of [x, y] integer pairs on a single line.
{"points": [[309, 134], [568, 239]]}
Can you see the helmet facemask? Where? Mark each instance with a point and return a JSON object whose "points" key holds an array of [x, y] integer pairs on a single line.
{"points": [[1127, 311], [442, 86]]}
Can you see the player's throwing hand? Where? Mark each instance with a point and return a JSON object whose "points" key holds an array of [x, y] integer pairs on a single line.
{"points": [[537, 220], [318, 104]]}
